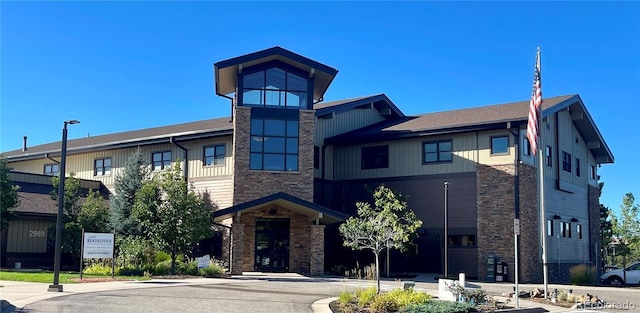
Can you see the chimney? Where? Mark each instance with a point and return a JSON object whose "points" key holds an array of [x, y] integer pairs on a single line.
{"points": [[24, 145]]}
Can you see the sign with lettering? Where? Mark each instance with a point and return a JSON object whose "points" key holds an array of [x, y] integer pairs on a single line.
{"points": [[98, 246]]}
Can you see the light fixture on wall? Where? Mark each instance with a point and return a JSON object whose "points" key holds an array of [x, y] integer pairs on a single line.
{"points": [[557, 217], [575, 220]]}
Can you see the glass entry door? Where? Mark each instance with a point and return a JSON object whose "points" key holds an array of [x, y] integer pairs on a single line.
{"points": [[272, 245]]}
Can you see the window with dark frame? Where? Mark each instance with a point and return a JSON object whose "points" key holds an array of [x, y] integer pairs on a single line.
{"points": [[274, 87], [52, 169], [437, 151], [550, 228], [579, 231], [462, 240], [547, 154], [161, 160], [566, 161], [593, 172], [102, 167], [500, 145], [578, 167], [274, 145], [214, 155], [565, 228], [316, 157], [374, 157], [526, 147]]}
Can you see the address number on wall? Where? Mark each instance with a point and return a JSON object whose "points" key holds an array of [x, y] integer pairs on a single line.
{"points": [[37, 233]]}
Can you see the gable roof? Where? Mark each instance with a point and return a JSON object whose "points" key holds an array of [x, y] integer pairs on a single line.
{"points": [[479, 118], [380, 102], [163, 134], [226, 72], [288, 201]]}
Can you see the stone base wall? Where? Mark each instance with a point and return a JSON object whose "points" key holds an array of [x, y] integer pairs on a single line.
{"points": [[300, 243], [237, 249], [594, 225], [530, 253], [317, 250]]}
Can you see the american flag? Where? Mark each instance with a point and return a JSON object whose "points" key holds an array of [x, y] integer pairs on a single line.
{"points": [[535, 104]]}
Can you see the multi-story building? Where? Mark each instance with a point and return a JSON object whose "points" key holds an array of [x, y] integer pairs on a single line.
{"points": [[287, 167]]}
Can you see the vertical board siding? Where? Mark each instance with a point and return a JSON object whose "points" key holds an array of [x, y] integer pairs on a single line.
{"points": [[344, 122], [484, 148], [405, 158], [220, 191], [28, 236]]}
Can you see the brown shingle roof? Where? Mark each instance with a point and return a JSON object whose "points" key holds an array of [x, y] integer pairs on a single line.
{"points": [[129, 138]]}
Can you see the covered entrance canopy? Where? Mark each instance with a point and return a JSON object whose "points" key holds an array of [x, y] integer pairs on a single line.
{"points": [[278, 233]]}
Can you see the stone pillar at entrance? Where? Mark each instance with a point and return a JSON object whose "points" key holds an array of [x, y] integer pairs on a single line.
{"points": [[237, 252], [317, 250]]}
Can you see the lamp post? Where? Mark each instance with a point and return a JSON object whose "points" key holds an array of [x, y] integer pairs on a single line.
{"points": [[446, 226], [56, 287]]}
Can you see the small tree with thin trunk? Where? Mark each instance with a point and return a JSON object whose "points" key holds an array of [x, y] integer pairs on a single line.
{"points": [[172, 216], [388, 224], [8, 195]]}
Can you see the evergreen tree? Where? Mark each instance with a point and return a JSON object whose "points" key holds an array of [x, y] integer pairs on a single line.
{"points": [[626, 228], [126, 185], [8, 195]]}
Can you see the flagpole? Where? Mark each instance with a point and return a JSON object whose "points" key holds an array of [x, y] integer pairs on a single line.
{"points": [[543, 219]]}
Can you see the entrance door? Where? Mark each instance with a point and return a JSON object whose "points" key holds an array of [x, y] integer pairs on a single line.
{"points": [[272, 245]]}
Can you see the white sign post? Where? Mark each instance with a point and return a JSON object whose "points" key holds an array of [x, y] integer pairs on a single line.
{"points": [[98, 246]]}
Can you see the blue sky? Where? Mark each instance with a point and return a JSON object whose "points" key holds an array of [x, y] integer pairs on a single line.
{"points": [[119, 66]]}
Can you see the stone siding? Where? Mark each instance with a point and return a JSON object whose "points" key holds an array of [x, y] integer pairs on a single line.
{"points": [[300, 233], [594, 225], [249, 185], [529, 244], [317, 250], [495, 194]]}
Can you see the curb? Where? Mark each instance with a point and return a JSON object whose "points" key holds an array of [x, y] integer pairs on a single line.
{"points": [[322, 305]]}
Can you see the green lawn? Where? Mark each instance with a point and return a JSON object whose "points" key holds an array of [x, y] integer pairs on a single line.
{"points": [[47, 277]]}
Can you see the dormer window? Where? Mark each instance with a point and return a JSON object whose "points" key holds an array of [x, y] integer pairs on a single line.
{"points": [[274, 87]]}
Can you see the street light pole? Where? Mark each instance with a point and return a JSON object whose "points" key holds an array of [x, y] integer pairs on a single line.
{"points": [[446, 226], [56, 287]]}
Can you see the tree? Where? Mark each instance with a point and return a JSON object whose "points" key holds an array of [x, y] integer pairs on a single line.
{"points": [[94, 215], [71, 233], [389, 224], [171, 214], [136, 171], [626, 229], [8, 195], [606, 232]]}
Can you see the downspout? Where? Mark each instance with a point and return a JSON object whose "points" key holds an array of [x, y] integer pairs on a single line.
{"points": [[322, 169], [186, 160], [230, 98], [230, 238], [46, 155]]}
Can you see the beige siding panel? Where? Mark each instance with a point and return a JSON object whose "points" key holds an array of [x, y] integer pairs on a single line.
{"points": [[345, 122], [406, 158], [484, 151], [219, 190], [28, 236]]}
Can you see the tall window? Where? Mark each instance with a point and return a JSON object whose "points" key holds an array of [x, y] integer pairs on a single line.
{"points": [[274, 87], [592, 174], [550, 228], [374, 157], [566, 161], [547, 154], [566, 229], [52, 169], [526, 147], [462, 240], [577, 167], [274, 145], [316, 157], [579, 231], [437, 151], [102, 166], [499, 145], [214, 155], [161, 160]]}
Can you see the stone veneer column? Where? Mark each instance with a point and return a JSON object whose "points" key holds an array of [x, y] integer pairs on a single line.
{"points": [[317, 250], [530, 247], [495, 198], [237, 253], [594, 225]]}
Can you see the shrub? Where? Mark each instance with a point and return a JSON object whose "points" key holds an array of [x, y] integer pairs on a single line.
{"points": [[129, 271], [384, 302], [161, 256], [582, 275], [162, 268], [404, 297], [216, 268], [365, 296], [439, 307], [345, 299], [97, 269]]}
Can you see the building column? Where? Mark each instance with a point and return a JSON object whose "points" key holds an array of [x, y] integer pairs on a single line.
{"points": [[237, 252], [316, 264]]}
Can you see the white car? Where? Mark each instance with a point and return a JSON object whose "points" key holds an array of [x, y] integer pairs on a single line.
{"points": [[616, 277]]}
